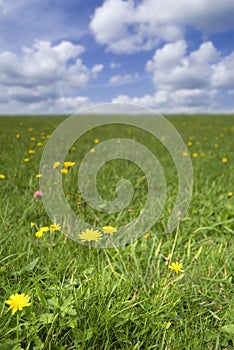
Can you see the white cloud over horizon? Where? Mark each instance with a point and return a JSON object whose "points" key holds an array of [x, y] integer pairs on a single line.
{"points": [[175, 57], [43, 75], [185, 82]]}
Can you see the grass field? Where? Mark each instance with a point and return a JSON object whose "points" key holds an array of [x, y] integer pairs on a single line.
{"points": [[120, 298]]}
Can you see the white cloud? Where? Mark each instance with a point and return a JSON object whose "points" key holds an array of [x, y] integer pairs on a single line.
{"points": [[43, 74], [48, 105], [223, 72], [172, 68], [180, 101], [97, 68], [43, 63], [129, 26], [114, 65], [3, 7], [187, 82], [123, 79]]}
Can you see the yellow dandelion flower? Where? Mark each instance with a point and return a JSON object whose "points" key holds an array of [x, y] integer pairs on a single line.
{"points": [[64, 171], [38, 176], [195, 155], [44, 229], [18, 302], [39, 144], [184, 154], [56, 165], [147, 235], [73, 148], [30, 129], [90, 235], [68, 164], [17, 136], [96, 141], [189, 143], [230, 194], [109, 229], [203, 154], [92, 150], [26, 160], [32, 138], [224, 160], [31, 151], [176, 267], [216, 145], [39, 234], [55, 227], [2, 176], [48, 136], [32, 224]]}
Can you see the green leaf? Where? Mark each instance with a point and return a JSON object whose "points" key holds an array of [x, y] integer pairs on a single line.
{"points": [[228, 329], [46, 318]]}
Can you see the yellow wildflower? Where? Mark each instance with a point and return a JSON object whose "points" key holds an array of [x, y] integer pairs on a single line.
{"points": [[17, 302], [39, 144], [55, 227], [31, 151], [68, 164], [64, 171], [39, 234], [26, 160], [38, 176], [56, 164], [176, 267], [96, 141], [90, 235], [147, 235], [109, 229], [2, 176], [224, 160], [44, 229]]}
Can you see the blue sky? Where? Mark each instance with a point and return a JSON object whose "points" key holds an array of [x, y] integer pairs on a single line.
{"points": [[61, 56]]}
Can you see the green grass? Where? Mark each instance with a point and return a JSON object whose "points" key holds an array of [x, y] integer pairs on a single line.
{"points": [[126, 297]]}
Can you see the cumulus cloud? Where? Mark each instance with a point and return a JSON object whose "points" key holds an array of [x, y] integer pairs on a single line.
{"points": [[223, 72], [172, 68], [45, 72], [180, 101], [186, 82], [131, 26], [123, 79]]}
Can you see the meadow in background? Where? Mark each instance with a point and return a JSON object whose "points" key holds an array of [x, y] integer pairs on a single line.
{"points": [[164, 291]]}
